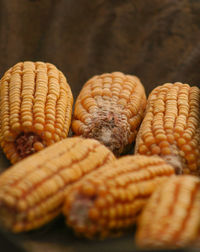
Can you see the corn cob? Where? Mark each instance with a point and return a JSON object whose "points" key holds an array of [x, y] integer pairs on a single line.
{"points": [[32, 191], [108, 201], [110, 108], [171, 127], [35, 108], [171, 217]]}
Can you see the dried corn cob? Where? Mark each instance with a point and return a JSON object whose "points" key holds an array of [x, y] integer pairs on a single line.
{"points": [[35, 108], [108, 201], [171, 217], [171, 127], [32, 191], [110, 108]]}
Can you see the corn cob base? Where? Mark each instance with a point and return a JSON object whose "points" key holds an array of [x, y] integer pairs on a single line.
{"points": [[87, 222], [111, 128], [27, 144]]}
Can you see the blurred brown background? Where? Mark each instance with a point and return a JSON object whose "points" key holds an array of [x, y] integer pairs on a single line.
{"points": [[157, 40]]}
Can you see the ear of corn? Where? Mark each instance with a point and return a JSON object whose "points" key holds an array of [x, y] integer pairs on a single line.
{"points": [[171, 217], [171, 127], [110, 108], [108, 201], [32, 191], [35, 108]]}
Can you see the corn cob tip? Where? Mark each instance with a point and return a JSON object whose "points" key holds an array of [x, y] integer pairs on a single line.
{"points": [[28, 143], [107, 129], [83, 213], [79, 211]]}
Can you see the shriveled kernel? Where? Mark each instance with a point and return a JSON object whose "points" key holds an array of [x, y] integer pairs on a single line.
{"points": [[26, 124], [38, 146], [192, 166], [163, 144], [160, 137], [88, 189], [190, 157], [149, 140], [143, 149], [165, 151], [170, 138], [181, 141], [155, 150], [48, 135], [186, 148]]}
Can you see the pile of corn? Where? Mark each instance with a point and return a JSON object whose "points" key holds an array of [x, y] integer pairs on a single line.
{"points": [[87, 177]]}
